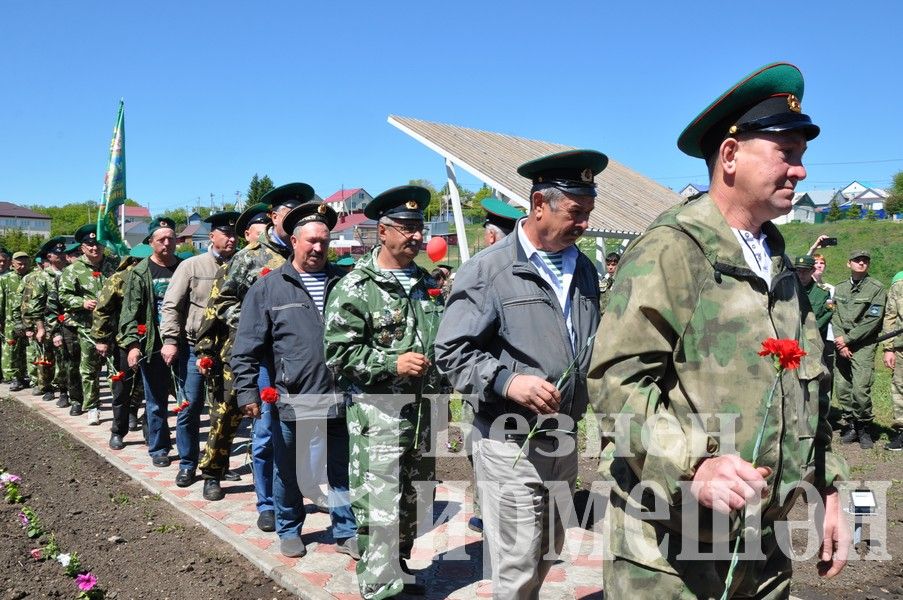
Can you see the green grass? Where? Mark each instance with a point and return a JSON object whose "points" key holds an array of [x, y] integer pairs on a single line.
{"points": [[884, 239]]}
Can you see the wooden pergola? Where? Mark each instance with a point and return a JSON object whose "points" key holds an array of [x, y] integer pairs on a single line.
{"points": [[627, 202]]}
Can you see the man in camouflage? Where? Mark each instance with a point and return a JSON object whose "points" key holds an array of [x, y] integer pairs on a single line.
{"points": [[5, 257], [181, 315], [858, 311], [37, 372], [611, 265], [127, 387], [14, 360], [380, 326], [695, 297], [64, 336], [216, 337], [35, 303], [80, 283], [893, 357]]}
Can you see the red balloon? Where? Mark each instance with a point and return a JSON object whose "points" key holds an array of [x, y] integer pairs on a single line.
{"points": [[436, 249]]}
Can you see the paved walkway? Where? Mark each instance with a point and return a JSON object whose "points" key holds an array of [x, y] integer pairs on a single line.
{"points": [[447, 557]]}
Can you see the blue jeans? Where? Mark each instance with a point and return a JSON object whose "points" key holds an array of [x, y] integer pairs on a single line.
{"points": [[287, 495], [157, 377], [262, 448], [188, 423]]}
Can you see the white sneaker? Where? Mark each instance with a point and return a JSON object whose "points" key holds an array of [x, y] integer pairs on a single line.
{"points": [[94, 417]]}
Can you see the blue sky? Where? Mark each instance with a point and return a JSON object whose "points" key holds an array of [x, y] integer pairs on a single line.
{"points": [[218, 91]]}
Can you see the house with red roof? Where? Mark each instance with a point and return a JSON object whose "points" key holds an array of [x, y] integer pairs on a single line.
{"points": [[349, 201], [353, 233], [18, 218]]}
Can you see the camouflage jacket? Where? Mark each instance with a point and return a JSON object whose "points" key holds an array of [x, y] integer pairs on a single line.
{"points": [[12, 301], [109, 305], [893, 316], [82, 281], [216, 332], [54, 309], [5, 280], [858, 310], [35, 294], [140, 308], [818, 299], [370, 321], [686, 319]]}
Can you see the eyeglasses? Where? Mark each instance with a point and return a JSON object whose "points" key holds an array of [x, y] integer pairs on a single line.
{"points": [[861, 259], [407, 229]]}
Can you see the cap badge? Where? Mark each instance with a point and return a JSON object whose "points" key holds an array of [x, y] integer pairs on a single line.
{"points": [[321, 209], [586, 175], [411, 205], [793, 103]]}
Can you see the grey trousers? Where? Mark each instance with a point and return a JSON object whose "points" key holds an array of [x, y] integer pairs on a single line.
{"points": [[523, 536]]}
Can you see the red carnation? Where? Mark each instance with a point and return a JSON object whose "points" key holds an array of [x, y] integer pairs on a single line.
{"points": [[95, 273], [269, 395], [206, 363], [264, 271], [787, 353], [118, 376], [61, 318], [142, 329], [11, 342], [434, 292]]}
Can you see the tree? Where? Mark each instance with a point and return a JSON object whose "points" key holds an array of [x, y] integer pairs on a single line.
{"points": [[854, 212], [64, 220], [894, 203], [258, 187], [870, 215], [19, 241], [834, 213], [435, 205]]}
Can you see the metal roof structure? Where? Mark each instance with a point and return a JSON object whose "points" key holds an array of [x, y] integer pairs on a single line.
{"points": [[626, 204]]}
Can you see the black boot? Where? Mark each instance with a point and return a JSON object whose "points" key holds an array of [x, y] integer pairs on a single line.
{"points": [[896, 442], [849, 434], [76, 409], [865, 438], [63, 402], [17, 385]]}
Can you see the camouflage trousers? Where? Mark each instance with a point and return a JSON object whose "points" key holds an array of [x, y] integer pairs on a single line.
{"points": [[44, 352], [60, 358], [72, 378], [767, 579], [14, 355], [89, 367], [224, 421], [896, 390], [854, 377], [385, 464]]}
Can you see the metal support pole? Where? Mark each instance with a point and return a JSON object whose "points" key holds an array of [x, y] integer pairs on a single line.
{"points": [[463, 248]]}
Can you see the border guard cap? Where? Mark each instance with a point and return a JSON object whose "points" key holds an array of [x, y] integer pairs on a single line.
{"points": [[224, 221], [310, 212], [804, 262], [86, 233], [289, 195], [256, 213], [402, 202], [501, 214], [55, 245], [768, 99], [571, 171], [159, 223]]}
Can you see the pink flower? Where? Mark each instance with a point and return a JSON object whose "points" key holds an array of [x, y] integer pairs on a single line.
{"points": [[86, 581], [36, 554], [23, 519]]}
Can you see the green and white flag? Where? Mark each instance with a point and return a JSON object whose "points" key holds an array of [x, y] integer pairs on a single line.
{"points": [[114, 190]]}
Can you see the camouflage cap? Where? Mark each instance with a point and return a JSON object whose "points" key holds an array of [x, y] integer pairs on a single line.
{"points": [[21, 255], [861, 252]]}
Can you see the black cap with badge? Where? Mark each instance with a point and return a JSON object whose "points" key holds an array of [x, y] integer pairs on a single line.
{"points": [[402, 202], [256, 213], [55, 245], [289, 195], [224, 221], [571, 171], [86, 234], [310, 212]]}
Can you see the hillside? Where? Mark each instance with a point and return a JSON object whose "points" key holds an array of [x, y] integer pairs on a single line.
{"points": [[884, 239]]}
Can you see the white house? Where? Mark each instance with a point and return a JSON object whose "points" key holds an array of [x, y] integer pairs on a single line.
{"points": [[691, 189], [349, 201], [803, 211], [18, 218]]}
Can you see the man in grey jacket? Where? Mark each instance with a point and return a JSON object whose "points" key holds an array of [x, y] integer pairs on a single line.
{"points": [[516, 339], [281, 325], [181, 314]]}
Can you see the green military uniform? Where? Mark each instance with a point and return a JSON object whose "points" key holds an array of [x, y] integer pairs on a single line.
{"points": [[104, 329], [36, 287], [688, 313], [14, 357], [216, 337], [858, 310], [893, 320], [67, 354], [371, 319], [79, 282]]}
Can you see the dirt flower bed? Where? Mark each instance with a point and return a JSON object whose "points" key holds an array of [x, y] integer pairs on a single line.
{"points": [[134, 543]]}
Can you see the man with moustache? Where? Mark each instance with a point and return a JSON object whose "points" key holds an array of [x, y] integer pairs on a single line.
{"points": [[516, 341], [381, 320], [695, 298], [181, 315], [282, 326]]}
